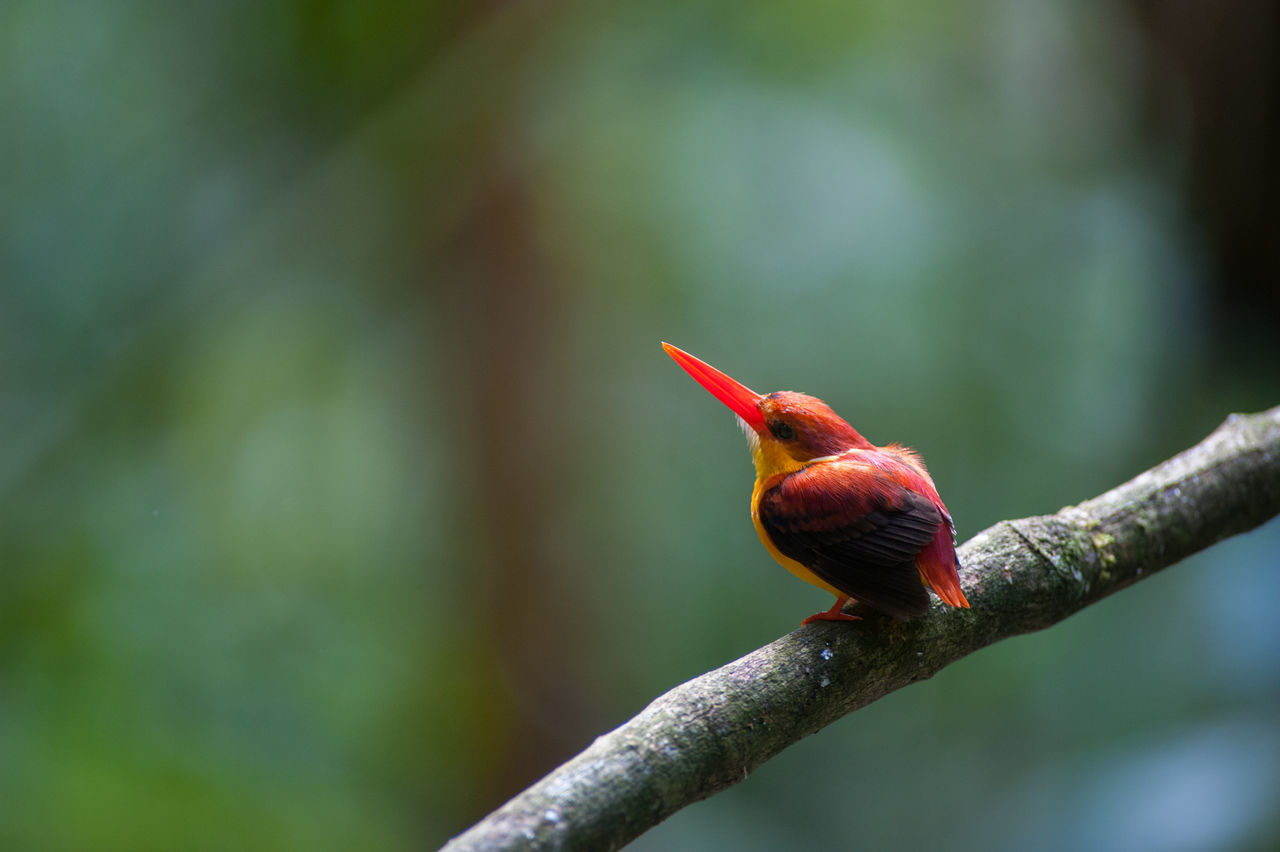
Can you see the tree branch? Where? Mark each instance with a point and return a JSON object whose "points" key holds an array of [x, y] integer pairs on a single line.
{"points": [[1020, 576]]}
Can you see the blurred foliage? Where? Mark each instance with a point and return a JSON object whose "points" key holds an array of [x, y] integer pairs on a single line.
{"points": [[345, 489]]}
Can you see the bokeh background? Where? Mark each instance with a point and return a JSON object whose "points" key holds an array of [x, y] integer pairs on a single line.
{"points": [[345, 490]]}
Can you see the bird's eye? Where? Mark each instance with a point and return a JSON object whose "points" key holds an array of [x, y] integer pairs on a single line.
{"points": [[781, 430]]}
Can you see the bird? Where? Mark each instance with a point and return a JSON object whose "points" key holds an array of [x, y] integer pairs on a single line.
{"points": [[862, 522]]}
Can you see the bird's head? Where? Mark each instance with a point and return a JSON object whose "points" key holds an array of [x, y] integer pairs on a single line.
{"points": [[785, 429]]}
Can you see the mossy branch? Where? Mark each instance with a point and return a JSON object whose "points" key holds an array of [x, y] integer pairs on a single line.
{"points": [[1020, 576]]}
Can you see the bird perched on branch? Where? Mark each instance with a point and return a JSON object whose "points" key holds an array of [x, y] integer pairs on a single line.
{"points": [[860, 521]]}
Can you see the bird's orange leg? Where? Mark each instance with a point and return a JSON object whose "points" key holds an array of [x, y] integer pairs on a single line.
{"points": [[833, 614]]}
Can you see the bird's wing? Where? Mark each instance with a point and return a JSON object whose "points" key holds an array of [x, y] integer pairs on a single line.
{"points": [[854, 526]]}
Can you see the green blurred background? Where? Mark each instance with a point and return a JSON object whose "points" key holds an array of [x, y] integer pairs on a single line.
{"points": [[345, 490]]}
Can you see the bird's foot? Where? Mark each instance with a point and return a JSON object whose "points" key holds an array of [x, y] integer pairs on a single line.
{"points": [[833, 614]]}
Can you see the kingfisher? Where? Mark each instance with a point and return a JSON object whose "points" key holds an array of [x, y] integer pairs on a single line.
{"points": [[856, 520]]}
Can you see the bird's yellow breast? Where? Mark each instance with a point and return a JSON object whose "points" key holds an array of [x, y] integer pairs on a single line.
{"points": [[773, 464]]}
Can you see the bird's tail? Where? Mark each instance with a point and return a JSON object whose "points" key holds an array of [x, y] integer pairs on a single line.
{"points": [[937, 563]]}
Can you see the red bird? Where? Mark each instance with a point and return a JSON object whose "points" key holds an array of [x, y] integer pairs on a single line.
{"points": [[860, 521]]}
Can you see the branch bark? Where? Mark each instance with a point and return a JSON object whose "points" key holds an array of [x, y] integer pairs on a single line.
{"points": [[1020, 576]]}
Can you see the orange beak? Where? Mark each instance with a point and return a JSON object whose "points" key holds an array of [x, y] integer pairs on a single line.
{"points": [[742, 400]]}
